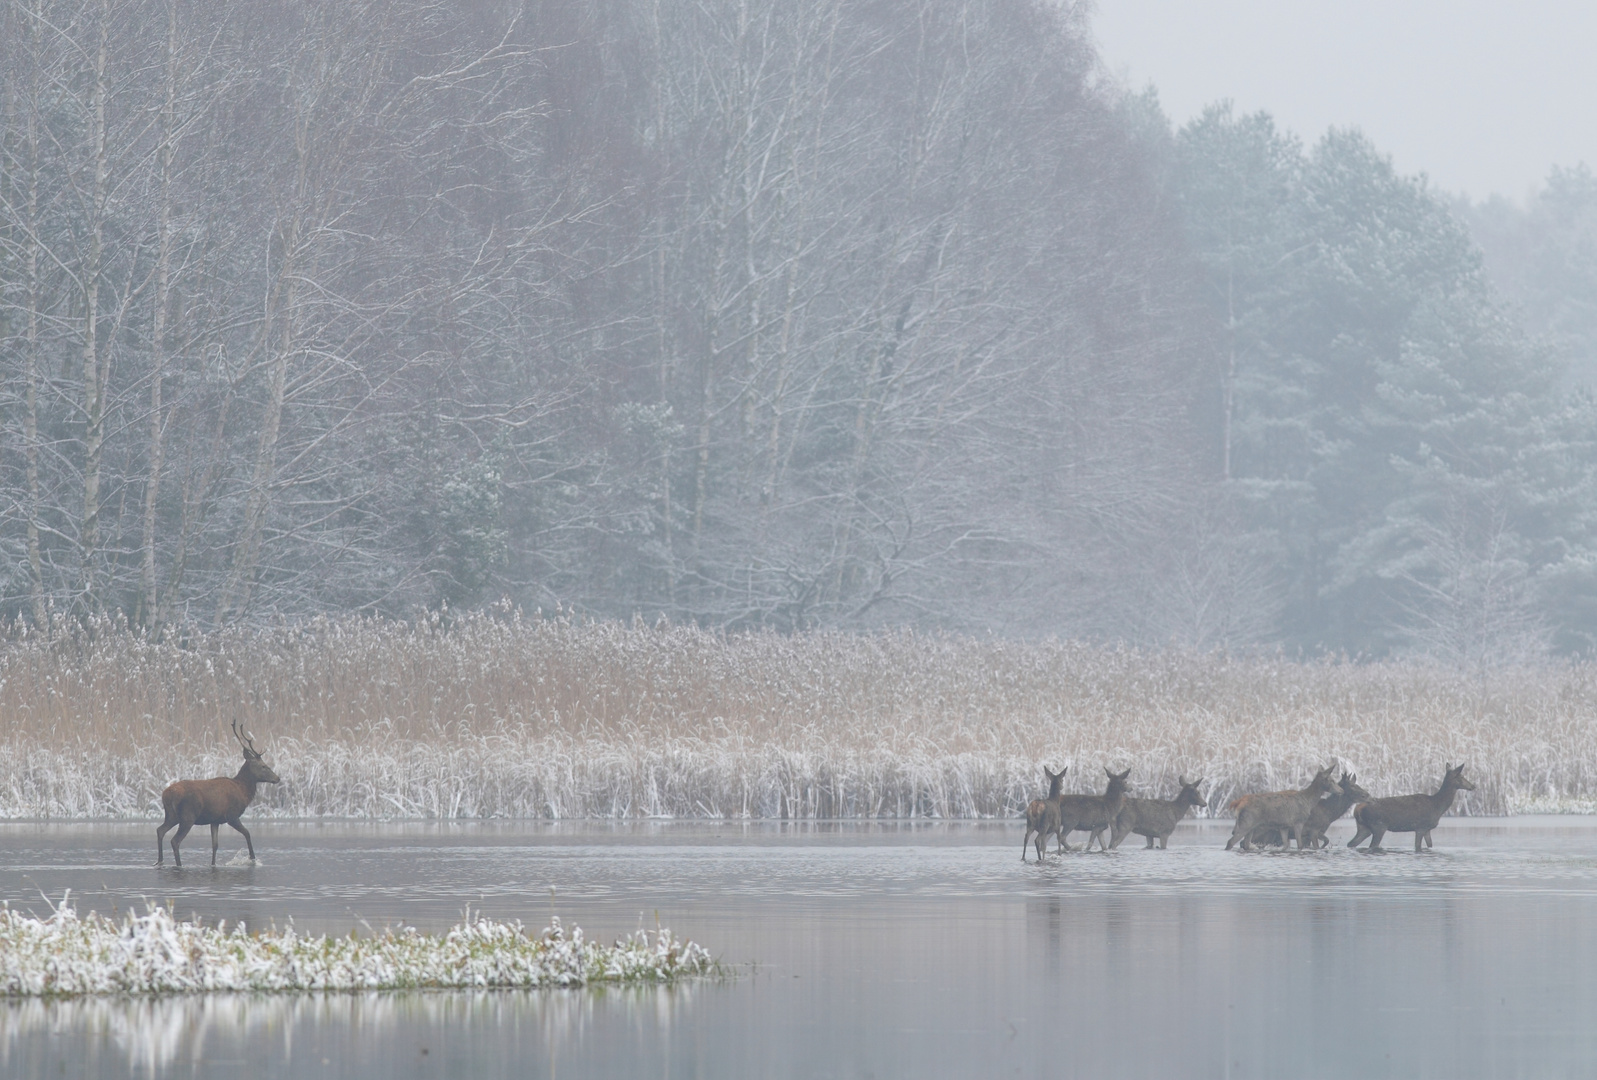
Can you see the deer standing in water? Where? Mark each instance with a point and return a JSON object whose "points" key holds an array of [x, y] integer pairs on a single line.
{"points": [[1093, 814], [1417, 814], [215, 802], [1329, 809], [1155, 818], [1042, 815], [1285, 810]]}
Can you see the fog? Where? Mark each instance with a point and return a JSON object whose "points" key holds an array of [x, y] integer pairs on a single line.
{"points": [[839, 315], [1483, 98]]}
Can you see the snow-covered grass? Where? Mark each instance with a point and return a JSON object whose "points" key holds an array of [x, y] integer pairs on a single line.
{"points": [[66, 954], [496, 715]]}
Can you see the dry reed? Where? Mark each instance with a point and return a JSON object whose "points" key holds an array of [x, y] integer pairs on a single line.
{"points": [[496, 715]]}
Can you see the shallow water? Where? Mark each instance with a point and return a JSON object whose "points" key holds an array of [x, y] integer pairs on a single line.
{"points": [[868, 950]]}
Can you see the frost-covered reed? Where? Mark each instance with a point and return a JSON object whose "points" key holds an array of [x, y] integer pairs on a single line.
{"points": [[496, 715], [154, 953]]}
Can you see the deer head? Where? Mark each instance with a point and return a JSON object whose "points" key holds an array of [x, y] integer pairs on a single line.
{"points": [[1455, 779], [1054, 780], [1189, 792], [1350, 787], [1324, 780], [258, 770]]}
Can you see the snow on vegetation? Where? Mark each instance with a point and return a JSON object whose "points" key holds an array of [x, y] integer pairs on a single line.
{"points": [[496, 715], [154, 953]]}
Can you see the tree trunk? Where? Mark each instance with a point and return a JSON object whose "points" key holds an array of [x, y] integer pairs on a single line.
{"points": [[94, 363], [30, 420], [148, 609]]}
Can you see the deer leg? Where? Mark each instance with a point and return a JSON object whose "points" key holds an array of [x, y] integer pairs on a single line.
{"points": [[160, 840], [1375, 838], [214, 830], [239, 825], [1419, 841], [1149, 844], [177, 838], [1359, 836], [1025, 842], [1427, 838]]}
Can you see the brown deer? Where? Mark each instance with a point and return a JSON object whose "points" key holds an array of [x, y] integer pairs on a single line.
{"points": [[1155, 818], [1093, 814], [1042, 815], [1329, 809], [215, 802], [1286, 810], [1417, 814]]}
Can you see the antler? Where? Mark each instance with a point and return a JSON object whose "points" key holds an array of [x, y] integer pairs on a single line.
{"points": [[245, 740]]}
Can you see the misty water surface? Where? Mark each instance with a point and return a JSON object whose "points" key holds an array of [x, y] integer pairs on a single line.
{"points": [[869, 950]]}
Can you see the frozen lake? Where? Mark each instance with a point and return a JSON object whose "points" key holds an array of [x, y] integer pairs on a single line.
{"points": [[869, 950]]}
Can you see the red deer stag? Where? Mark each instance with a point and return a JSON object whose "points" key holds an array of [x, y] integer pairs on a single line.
{"points": [[1042, 815], [214, 802]]}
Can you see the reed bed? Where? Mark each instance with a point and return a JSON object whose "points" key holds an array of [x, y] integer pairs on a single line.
{"points": [[500, 715], [155, 953]]}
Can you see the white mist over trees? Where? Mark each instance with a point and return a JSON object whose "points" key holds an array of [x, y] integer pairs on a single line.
{"points": [[753, 314], [1387, 430]]}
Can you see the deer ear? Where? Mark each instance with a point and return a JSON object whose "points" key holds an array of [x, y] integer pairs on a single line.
{"points": [[1449, 766], [1182, 780]]}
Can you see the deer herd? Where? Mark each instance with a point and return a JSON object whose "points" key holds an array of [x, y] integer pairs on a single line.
{"points": [[1263, 818], [1275, 817]]}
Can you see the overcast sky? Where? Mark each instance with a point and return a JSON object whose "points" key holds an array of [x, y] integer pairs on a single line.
{"points": [[1484, 97]]}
